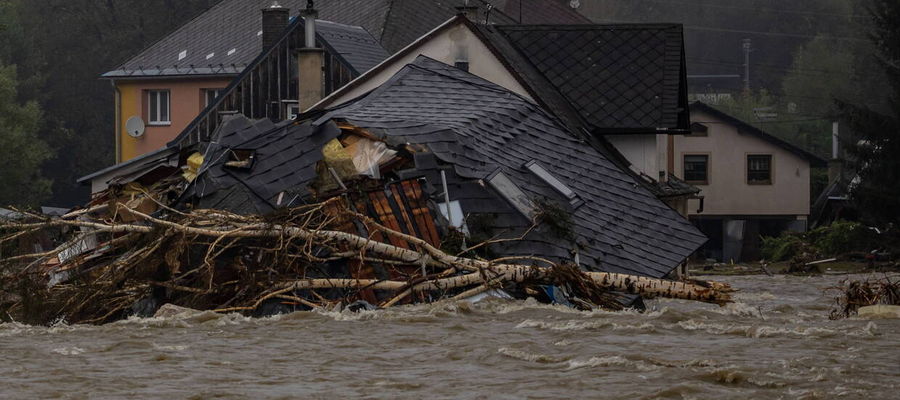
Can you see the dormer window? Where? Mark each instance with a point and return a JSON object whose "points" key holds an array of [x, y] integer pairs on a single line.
{"points": [[158, 107]]}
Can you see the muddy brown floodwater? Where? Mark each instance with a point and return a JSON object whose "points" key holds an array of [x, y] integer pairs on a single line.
{"points": [[775, 342]]}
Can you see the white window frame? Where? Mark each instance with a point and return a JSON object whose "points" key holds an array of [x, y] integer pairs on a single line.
{"points": [[157, 119]]}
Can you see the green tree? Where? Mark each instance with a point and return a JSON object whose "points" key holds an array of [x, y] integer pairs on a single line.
{"points": [[875, 155], [21, 152]]}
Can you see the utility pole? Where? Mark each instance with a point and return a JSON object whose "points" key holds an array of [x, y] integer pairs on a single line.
{"points": [[747, 47]]}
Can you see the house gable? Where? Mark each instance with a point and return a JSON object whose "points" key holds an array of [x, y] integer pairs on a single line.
{"points": [[727, 148], [452, 41]]}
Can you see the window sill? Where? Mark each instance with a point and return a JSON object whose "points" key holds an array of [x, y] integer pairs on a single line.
{"points": [[160, 123], [764, 183]]}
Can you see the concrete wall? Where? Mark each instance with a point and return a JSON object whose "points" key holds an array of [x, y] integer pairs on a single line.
{"points": [[187, 100], [728, 192], [455, 43]]}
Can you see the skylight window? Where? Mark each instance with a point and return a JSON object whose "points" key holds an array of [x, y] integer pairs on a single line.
{"points": [[210, 55], [182, 55], [230, 52], [555, 183], [512, 193]]}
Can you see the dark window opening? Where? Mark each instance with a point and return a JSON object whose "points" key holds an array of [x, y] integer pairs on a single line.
{"points": [[759, 169], [210, 95], [696, 169], [240, 159]]}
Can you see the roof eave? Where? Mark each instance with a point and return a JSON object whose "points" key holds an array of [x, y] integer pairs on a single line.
{"points": [[640, 131], [814, 160], [108, 76]]}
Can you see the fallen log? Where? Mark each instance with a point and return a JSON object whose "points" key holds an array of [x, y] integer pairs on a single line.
{"points": [[716, 293], [248, 261]]}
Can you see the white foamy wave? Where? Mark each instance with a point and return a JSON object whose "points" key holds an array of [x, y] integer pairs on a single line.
{"points": [[68, 351], [763, 331], [576, 325], [530, 357], [170, 347], [739, 309], [611, 361]]}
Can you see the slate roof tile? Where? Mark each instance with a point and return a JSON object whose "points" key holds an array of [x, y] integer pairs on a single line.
{"points": [[624, 77], [225, 39], [618, 211], [477, 129]]}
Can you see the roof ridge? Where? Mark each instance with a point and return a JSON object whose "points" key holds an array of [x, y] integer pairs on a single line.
{"points": [[777, 140], [629, 25], [384, 23]]}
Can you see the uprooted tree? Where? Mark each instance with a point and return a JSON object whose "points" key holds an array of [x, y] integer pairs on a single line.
{"points": [[299, 257]]}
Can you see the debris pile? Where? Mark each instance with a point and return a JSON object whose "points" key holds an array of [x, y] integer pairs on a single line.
{"points": [[856, 294], [437, 185], [299, 258]]}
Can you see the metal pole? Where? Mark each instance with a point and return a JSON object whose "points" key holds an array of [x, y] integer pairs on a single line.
{"points": [[835, 136], [746, 46], [446, 196]]}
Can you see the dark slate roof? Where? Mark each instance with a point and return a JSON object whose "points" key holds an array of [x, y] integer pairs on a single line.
{"points": [[544, 12], [479, 128], [617, 78], [744, 127], [353, 43], [225, 38], [285, 158], [235, 25], [397, 23]]}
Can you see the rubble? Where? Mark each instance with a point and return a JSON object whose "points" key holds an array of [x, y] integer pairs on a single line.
{"points": [[869, 296], [215, 260], [401, 197]]}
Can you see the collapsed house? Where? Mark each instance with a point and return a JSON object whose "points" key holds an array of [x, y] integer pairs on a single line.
{"points": [[500, 155], [371, 199]]}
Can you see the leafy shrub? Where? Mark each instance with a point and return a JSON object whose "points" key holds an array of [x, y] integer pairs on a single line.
{"points": [[843, 237], [781, 248]]}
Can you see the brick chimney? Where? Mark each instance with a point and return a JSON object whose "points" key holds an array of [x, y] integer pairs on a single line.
{"points": [[274, 22], [310, 60]]}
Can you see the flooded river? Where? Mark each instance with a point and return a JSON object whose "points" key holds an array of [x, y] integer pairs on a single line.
{"points": [[775, 342]]}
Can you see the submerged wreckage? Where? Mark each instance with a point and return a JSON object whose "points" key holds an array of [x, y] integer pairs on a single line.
{"points": [[436, 184]]}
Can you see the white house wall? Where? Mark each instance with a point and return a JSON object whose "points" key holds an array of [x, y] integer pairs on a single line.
{"points": [[640, 150], [728, 192], [454, 44]]}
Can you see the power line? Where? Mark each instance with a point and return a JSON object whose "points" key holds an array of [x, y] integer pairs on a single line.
{"points": [[760, 65], [770, 122], [776, 10], [749, 32]]}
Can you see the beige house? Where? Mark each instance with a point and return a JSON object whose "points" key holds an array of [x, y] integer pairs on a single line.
{"points": [[752, 183]]}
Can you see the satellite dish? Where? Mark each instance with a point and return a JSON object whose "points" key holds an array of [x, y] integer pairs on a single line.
{"points": [[135, 127]]}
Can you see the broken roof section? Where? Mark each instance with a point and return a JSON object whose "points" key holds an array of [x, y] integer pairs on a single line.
{"points": [[484, 138], [616, 78], [228, 36]]}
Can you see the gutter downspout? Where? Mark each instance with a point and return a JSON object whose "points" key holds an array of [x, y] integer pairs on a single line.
{"points": [[118, 118]]}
